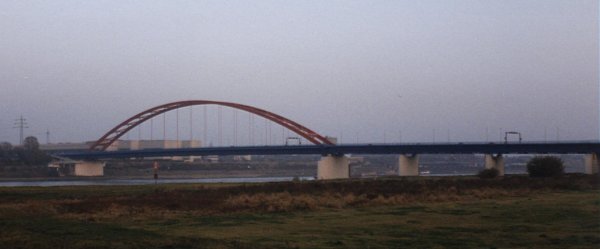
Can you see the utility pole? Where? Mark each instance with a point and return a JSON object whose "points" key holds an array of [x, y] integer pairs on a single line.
{"points": [[47, 136], [21, 123]]}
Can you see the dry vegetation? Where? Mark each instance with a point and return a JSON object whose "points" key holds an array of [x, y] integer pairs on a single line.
{"points": [[184, 209], [281, 197]]}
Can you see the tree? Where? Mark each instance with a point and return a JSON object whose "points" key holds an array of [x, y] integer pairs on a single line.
{"points": [[30, 153], [31, 143], [2, 155], [6, 152], [545, 166], [6, 146]]}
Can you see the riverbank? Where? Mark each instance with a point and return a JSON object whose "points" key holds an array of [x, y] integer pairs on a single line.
{"points": [[453, 212], [123, 181]]}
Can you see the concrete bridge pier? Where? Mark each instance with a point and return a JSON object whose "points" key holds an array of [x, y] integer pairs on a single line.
{"points": [[333, 167], [591, 163], [495, 162], [408, 165], [66, 167], [89, 168]]}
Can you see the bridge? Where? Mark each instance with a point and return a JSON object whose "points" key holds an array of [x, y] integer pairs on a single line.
{"points": [[339, 150], [333, 163]]}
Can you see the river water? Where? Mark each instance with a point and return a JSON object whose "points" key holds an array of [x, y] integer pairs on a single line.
{"points": [[113, 182], [116, 182]]}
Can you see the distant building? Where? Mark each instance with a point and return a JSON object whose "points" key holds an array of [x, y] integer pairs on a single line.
{"points": [[242, 158], [67, 167], [153, 144], [333, 140], [212, 159], [64, 146], [126, 145], [356, 159]]}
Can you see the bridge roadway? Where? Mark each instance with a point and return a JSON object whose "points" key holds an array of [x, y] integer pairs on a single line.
{"points": [[580, 147]]}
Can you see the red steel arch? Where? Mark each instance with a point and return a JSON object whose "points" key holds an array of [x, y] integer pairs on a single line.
{"points": [[115, 133]]}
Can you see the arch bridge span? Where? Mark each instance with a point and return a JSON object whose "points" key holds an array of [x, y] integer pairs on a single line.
{"points": [[115, 133]]}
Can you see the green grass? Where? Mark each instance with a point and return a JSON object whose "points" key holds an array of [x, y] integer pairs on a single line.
{"points": [[127, 217], [556, 220]]}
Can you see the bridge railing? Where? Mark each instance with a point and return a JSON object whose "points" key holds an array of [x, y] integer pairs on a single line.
{"points": [[481, 142]]}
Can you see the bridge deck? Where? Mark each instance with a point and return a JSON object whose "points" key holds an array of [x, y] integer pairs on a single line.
{"points": [[446, 148]]}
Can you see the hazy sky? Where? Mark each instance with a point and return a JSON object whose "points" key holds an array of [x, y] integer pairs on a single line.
{"points": [[355, 69]]}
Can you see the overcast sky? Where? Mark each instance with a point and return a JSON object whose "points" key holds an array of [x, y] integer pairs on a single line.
{"points": [[360, 70]]}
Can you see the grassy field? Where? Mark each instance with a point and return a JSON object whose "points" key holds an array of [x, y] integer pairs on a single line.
{"points": [[457, 212]]}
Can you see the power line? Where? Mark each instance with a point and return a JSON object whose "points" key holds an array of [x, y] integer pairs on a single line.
{"points": [[21, 123]]}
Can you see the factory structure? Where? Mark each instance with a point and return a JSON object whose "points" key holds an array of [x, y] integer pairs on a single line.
{"points": [[125, 145], [67, 167]]}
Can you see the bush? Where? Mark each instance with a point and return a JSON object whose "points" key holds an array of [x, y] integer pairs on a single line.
{"points": [[545, 166], [488, 173]]}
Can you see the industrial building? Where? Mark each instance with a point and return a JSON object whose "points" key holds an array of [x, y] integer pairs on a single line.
{"points": [[67, 167], [125, 145]]}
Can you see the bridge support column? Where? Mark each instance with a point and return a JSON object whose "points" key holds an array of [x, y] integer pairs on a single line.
{"points": [[89, 168], [495, 162], [591, 164], [333, 167], [78, 168], [408, 165]]}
